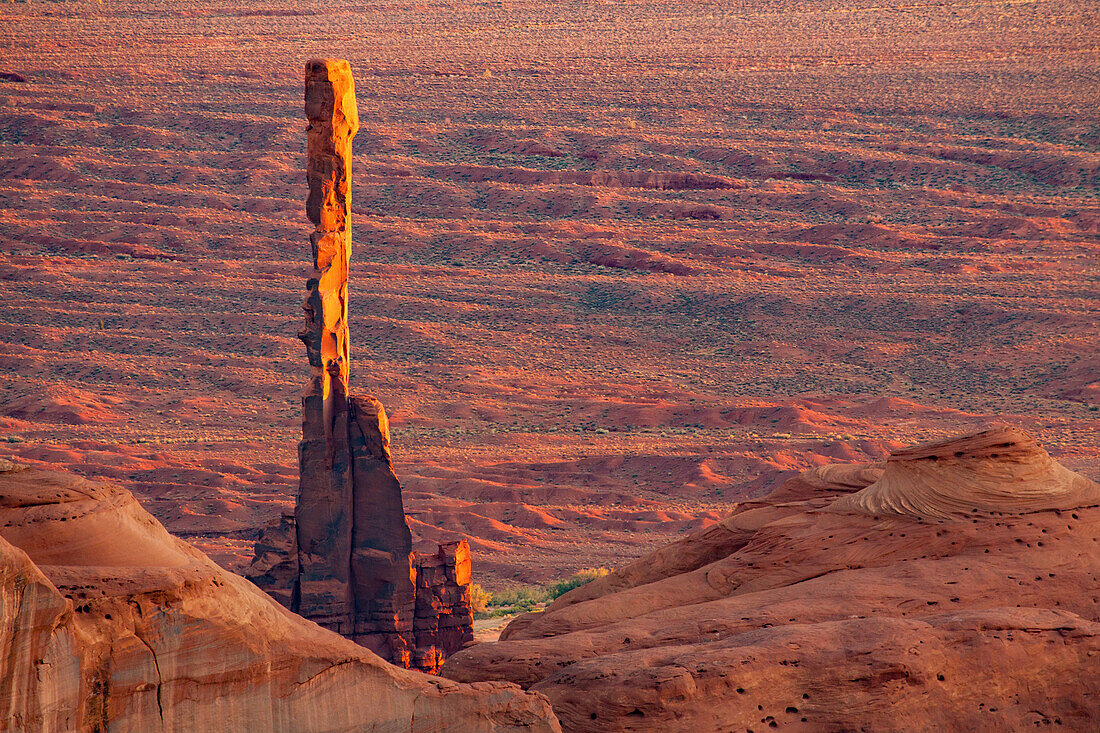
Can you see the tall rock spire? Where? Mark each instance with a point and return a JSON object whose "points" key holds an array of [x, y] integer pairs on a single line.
{"points": [[325, 496], [344, 559], [333, 122]]}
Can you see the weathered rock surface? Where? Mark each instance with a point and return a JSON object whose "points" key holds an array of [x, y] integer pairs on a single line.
{"points": [[344, 559], [444, 619], [956, 585], [109, 622], [994, 471], [324, 514]]}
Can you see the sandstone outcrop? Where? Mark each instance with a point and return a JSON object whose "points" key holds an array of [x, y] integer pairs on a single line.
{"points": [[344, 559], [107, 622], [995, 471], [325, 511], [954, 585], [443, 620]]}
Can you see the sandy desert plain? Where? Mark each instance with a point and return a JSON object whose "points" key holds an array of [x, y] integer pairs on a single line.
{"points": [[616, 267]]}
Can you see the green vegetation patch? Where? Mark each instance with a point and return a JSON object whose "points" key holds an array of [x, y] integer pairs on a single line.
{"points": [[524, 599]]}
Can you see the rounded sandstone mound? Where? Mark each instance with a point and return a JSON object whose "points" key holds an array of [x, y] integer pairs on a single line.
{"points": [[60, 519], [92, 587], [788, 615], [1001, 470]]}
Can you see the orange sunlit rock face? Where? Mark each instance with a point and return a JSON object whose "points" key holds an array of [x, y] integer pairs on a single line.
{"points": [[333, 122]]}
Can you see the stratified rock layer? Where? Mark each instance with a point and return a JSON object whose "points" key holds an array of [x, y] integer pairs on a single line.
{"points": [[444, 619], [107, 622], [953, 588], [344, 559], [1001, 470]]}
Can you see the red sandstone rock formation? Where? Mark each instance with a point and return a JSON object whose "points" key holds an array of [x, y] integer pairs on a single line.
{"points": [[107, 622], [324, 514], [954, 586], [444, 619], [345, 558]]}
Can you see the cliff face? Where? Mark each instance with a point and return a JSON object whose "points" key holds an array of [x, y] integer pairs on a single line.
{"points": [[109, 622], [954, 585], [325, 512], [344, 559]]}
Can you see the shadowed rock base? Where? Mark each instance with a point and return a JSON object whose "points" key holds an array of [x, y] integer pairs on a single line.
{"points": [[412, 609]]}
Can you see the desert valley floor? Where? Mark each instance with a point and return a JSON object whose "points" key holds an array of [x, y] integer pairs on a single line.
{"points": [[616, 265]]}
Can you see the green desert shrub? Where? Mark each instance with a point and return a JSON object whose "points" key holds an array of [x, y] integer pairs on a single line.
{"points": [[479, 598], [522, 596], [576, 580], [525, 598]]}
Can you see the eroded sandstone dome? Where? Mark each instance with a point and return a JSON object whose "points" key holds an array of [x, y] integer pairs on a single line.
{"points": [[1000, 470], [107, 621]]}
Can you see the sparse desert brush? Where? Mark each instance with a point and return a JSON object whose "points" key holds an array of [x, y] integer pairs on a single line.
{"points": [[523, 597], [576, 580], [479, 598]]}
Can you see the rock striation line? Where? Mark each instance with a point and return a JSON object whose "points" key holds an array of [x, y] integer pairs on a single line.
{"points": [[999, 470], [344, 558]]}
